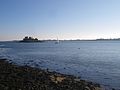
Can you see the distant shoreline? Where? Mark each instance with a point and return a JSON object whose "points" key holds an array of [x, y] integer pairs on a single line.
{"points": [[101, 39], [31, 41], [65, 40]]}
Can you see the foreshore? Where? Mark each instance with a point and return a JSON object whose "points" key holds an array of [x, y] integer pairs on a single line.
{"points": [[14, 77]]}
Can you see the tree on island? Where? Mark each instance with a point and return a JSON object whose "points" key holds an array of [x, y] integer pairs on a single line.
{"points": [[29, 39]]}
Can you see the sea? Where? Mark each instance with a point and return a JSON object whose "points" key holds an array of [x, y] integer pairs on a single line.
{"points": [[96, 61]]}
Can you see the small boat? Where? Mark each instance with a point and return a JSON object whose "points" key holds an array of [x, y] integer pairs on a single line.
{"points": [[57, 41]]}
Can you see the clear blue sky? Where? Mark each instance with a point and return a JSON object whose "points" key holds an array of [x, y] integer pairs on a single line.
{"points": [[66, 19]]}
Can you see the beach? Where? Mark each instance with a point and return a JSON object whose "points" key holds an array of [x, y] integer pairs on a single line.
{"points": [[15, 77]]}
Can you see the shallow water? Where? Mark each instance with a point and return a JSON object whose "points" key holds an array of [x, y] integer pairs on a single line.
{"points": [[97, 61]]}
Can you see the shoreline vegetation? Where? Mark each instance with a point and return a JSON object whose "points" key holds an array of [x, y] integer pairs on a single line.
{"points": [[30, 39], [14, 77]]}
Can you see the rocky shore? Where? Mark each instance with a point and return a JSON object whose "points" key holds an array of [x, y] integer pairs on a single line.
{"points": [[14, 77]]}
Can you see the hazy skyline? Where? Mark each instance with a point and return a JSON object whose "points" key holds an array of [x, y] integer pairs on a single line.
{"points": [[66, 19]]}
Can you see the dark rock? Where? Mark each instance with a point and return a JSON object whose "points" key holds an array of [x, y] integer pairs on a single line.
{"points": [[13, 77]]}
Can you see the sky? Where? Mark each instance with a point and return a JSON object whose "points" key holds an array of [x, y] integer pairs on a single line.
{"points": [[65, 19]]}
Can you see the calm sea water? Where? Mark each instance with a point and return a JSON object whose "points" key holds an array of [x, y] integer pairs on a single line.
{"points": [[97, 61]]}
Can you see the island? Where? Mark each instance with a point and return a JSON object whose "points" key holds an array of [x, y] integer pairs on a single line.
{"points": [[30, 39]]}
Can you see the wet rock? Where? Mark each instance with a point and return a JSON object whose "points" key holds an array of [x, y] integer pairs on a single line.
{"points": [[14, 77], [87, 88]]}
